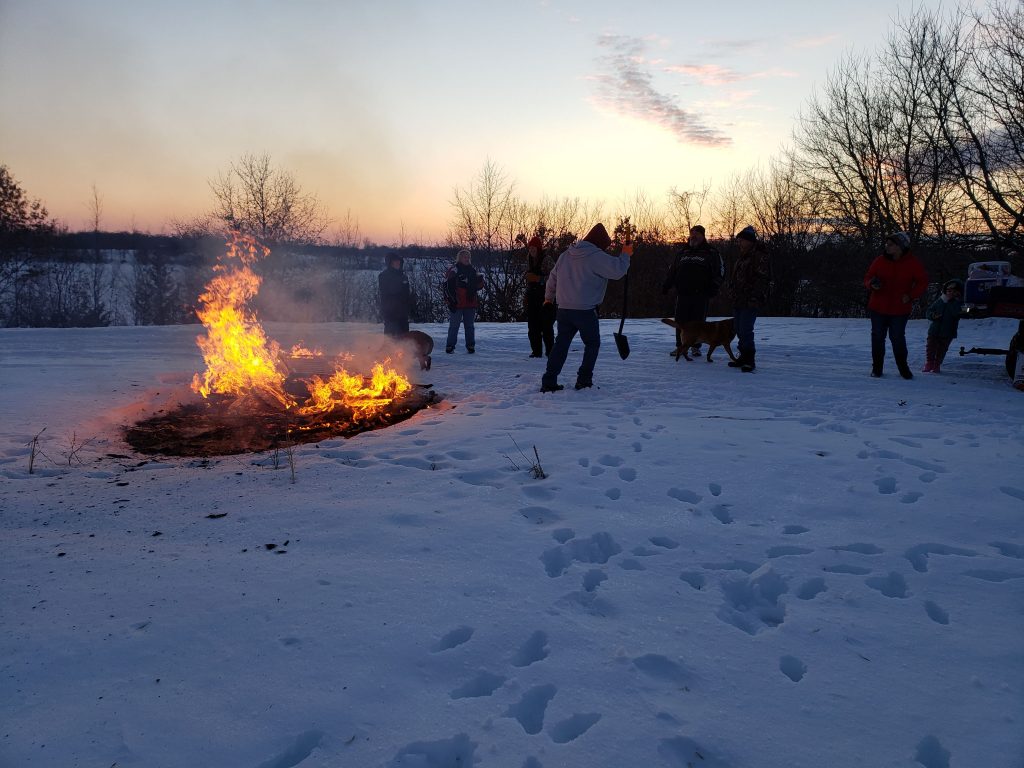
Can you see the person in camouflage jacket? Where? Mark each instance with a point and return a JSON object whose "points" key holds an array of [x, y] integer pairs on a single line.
{"points": [[748, 287]]}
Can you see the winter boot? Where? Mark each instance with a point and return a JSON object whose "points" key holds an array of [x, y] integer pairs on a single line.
{"points": [[935, 368], [551, 387], [877, 359], [582, 384], [904, 369], [929, 367], [748, 365], [739, 362]]}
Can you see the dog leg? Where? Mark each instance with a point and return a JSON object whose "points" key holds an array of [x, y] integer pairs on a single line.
{"points": [[728, 349], [711, 348]]}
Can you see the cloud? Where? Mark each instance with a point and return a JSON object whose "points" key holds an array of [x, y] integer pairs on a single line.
{"points": [[715, 75], [815, 42], [628, 89]]}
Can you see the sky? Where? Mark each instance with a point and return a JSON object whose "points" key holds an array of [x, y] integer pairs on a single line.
{"points": [[382, 109]]}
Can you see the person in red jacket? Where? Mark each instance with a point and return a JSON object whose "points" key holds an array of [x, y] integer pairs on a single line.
{"points": [[895, 279]]}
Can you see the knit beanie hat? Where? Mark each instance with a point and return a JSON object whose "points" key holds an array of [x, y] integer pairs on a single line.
{"points": [[747, 233], [599, 236], [902, 239]]}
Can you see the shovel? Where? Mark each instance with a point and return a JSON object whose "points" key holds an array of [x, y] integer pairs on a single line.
{"points": [[621, 342]]}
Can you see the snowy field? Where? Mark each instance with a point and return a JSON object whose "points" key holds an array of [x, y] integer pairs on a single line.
{"points": [[801, 567]]}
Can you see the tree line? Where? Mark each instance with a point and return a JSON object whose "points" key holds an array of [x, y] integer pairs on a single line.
{"points": [[923, 135]]}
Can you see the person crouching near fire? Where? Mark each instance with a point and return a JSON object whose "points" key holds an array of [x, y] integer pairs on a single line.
{"points": [[896, 279], [944, 314], [577, 284]]}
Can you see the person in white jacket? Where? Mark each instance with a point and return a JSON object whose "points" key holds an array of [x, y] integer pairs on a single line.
{"points": [[577, 285]]}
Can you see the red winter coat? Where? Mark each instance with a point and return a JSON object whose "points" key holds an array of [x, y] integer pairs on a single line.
{"points": [[905, 277]]}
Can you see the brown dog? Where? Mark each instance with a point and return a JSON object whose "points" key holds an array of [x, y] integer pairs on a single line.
{"points": [[422, 344], [718, 333]]}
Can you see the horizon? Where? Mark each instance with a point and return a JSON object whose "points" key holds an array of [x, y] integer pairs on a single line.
{"points": [[147, 105]]}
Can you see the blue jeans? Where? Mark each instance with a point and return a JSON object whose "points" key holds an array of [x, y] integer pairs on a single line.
{"points": [[466, 317], [895, 326], [743, 320], [571, 322]]}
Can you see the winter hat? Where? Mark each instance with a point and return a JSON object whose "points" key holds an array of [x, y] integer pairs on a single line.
{"points": [[460, 254], [747, 233], [902, 239], [536, 242], [393, 257], [697, 228], [598, 236]]}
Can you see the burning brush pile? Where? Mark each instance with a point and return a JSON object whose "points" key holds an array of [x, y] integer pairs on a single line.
{"points": [[256, 397]]}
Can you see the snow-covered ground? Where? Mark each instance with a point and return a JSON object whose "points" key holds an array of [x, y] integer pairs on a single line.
{"points": [[798, 567]]}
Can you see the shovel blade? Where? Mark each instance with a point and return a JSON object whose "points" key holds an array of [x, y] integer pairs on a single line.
{"points": [[622, 344]]}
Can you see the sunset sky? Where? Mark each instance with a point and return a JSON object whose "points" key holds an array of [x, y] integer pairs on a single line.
{"points": [[383, 107]]}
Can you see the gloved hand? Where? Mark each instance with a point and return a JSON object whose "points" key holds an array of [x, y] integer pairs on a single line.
{"points": [[627, 249], [548, 303]]}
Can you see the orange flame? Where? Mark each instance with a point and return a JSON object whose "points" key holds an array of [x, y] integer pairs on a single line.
{"points": [[241, 361], [364, 397]]}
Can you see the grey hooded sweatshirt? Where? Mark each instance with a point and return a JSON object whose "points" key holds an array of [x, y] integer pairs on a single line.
{"points": [[581, 275]]}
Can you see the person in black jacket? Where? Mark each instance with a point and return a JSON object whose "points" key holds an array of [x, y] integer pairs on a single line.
{"points": [[696, 275], [540, 317], [395, 298]]}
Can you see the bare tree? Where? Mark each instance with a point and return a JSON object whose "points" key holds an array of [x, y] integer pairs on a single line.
{"points": [[257, 198]]}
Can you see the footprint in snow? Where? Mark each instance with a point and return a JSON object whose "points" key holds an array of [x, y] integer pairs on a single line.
{"points": [[715, 488], [453, 639], [911, 497], [593, 578], [533, 650], [794, 530], [539, 515], [613, 493], [811, 588], [931, 754], [458, 750], [893, 585], [918, 555], [694, 579], [611, 461], [1009, 550], [854, 570], [1009, 490], [664, 541], [859, 548], [484, 684], [573, 728], [886, 485], [786, 551], [684, 495], [721, 513], [627, 474], [529, 710], [792, 668], [301, 748], [935, 613]]}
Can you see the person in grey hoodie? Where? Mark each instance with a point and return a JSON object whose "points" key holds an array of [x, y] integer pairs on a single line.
{"points": [[577, 285]]}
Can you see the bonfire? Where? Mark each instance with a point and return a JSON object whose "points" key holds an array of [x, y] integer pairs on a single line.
{"points": [[256, 397]]}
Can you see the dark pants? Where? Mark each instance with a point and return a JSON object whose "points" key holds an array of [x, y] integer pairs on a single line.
{"points": [[571, 322], [936, 348], [462, 317], [540, 325], [396, 326], [744, 319], [893, 326]]}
